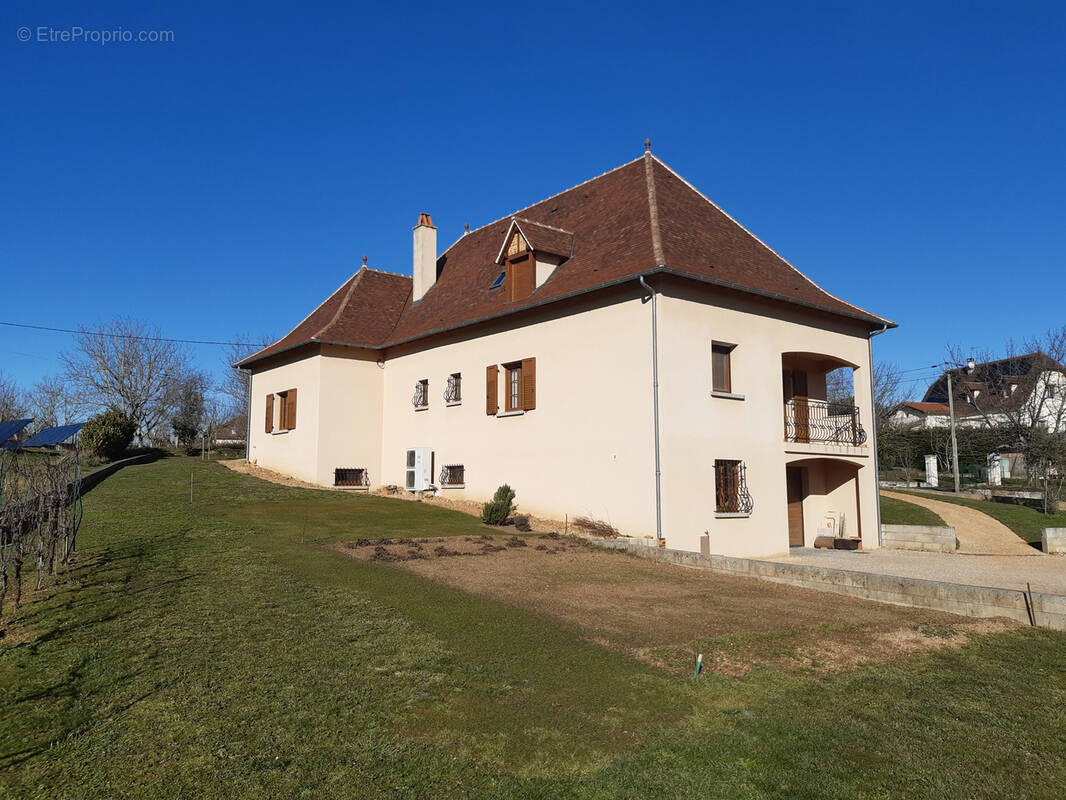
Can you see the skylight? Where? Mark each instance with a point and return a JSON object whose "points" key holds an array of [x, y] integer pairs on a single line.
{"points": [[496, 284]]}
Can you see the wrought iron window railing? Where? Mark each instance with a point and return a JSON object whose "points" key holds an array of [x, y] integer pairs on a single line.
{"points": [[420, 399], [351, 476], [731, 495], [831, 422], [453, 390], [453, 475]]}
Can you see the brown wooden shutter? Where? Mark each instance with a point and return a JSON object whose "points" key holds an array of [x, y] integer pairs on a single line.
{"points": [[270, 413], [529, 383], [290, 409], [492, 394]]}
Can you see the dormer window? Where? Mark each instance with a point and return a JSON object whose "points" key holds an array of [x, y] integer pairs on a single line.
{"points": [[529, 262]]}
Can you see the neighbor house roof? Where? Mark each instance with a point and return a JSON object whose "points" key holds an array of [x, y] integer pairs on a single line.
{"points": [[928, 408], [637, 219], [990, 384]]}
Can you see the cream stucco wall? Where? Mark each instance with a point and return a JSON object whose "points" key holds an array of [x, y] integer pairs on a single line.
{"points": [[292, 452], [587, 447], [697, 427]]}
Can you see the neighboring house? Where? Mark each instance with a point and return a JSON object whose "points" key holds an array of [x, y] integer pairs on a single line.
{"points": [[921, 415], [231, 432], [1011, 391], [523, 354]]}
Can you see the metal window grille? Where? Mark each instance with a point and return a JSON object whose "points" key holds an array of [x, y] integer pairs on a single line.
{"points": [[453, 391], [421, 395], [731, 488], [351, 476], [452, 475]]}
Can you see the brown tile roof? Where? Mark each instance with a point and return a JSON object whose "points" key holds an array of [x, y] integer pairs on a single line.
{"points": [[929, 408], [545, 238], [987, 389], [636, 219], [361, 312]]}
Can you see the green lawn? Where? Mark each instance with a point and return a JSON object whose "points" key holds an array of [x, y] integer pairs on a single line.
{"points": [[1028, 523], [900, 512], [214, 650]]}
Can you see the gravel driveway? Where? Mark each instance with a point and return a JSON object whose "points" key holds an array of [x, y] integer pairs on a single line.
{"points": [[976, 531]]}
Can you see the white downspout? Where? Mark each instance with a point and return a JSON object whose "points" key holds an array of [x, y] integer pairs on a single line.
{"points": [[873, 418], [655, 406]]}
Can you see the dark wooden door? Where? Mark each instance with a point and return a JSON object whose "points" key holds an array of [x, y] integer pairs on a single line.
{"points": [[794, 484], [800, 405]]}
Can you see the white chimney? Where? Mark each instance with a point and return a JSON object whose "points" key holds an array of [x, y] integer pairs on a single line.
{"points": [[425, 266]]}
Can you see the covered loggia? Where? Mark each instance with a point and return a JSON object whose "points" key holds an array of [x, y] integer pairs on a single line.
{"points": [[816, 410], [823, 500]]}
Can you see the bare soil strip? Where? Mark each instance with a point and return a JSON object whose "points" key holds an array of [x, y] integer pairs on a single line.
{"points": [[664, 614]]}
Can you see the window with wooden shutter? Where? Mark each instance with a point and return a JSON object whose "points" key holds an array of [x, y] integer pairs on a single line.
{"points": [[521, 276], [270, 413], [721, 367], [492, 395], [529, 384], [290, 410]]}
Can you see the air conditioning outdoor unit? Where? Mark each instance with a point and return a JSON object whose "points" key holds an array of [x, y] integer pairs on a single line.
{"points": [[419, 469]]}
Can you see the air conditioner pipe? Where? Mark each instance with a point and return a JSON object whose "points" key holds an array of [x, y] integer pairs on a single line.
{"points": [[655, 406], [873, 415]]}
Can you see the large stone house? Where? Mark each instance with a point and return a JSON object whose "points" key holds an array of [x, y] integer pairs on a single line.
{"points": [[623, 350]]}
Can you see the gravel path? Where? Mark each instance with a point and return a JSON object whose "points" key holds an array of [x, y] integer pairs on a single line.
{"points": [[1047, 574], [977, 532]]}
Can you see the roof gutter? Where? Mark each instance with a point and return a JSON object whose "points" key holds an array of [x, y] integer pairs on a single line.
{"points": [[873, 415], [655, 408]]}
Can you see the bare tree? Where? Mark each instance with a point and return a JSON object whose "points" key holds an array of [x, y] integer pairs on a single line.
{"points": [[50, 403], [12, 400], [887, 389], [235, 385], [128, 367], [186, 395]]}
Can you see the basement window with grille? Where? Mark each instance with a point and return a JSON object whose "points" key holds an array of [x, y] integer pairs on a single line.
{"points": [[731, 496], [351, 476], [453, 476]]}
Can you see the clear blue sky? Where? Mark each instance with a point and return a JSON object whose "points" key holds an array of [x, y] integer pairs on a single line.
{"points": [[909, 157]]}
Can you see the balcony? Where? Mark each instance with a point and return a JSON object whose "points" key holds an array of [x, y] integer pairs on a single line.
{"points": [[823, 422]]}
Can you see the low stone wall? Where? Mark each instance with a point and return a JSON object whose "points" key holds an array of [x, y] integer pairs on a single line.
{"points": [[955, 598], [1053, 540], [93, 479], [935, 538]]}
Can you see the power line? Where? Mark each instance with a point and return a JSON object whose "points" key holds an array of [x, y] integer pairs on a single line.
{"points": [[127, 335]]}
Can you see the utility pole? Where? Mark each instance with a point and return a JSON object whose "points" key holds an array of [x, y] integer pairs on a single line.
{"points": [[954, 440]]}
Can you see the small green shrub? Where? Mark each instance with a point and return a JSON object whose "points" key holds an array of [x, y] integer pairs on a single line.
{"points": [[108, 435], [500, 508]]}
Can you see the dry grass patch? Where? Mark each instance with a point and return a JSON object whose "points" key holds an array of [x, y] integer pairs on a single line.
{"points": [[664, 614]]}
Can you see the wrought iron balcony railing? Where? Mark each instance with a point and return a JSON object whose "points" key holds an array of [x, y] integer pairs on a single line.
{"points": [[832, 422]]}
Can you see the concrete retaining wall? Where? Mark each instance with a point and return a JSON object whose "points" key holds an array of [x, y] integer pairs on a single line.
{"points": [[955, 598], [93, 479], [1053, 540], [937, 538]]}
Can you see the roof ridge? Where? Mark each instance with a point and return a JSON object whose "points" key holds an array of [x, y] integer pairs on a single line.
{"points": [[543, 225], [353, 282], [514, 214], [302, 321], [386, 272], [784, 260], [653, 210]]}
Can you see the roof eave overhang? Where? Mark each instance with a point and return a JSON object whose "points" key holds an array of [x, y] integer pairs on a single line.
{"points": [[872, 321]]}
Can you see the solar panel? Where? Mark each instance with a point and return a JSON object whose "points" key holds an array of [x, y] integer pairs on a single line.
{"points": [[53, 435], [11, 427]]}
